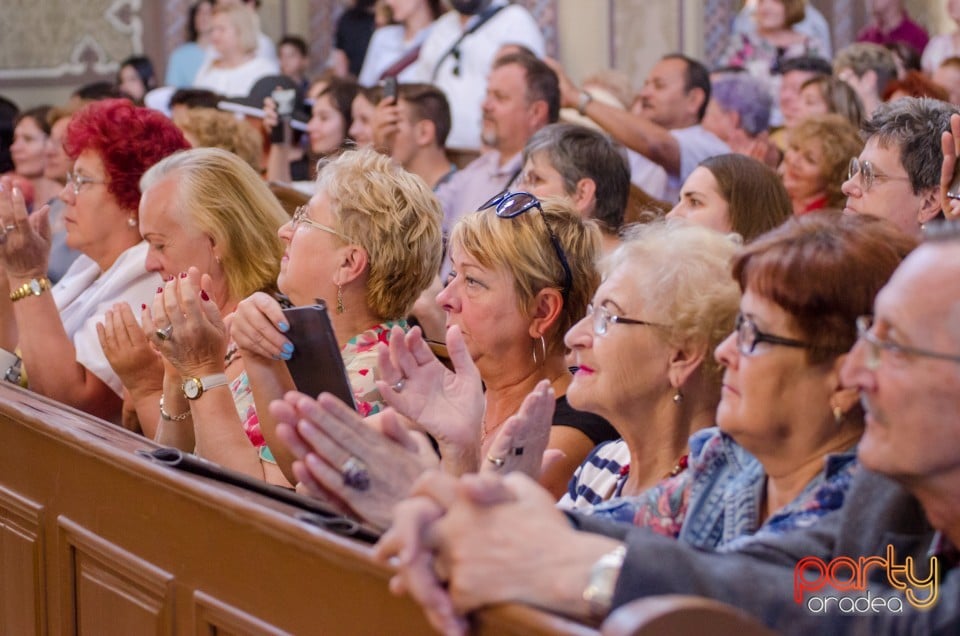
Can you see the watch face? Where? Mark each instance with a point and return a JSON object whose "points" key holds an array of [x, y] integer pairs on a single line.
{"points": [[35, 287], [192, 388]]}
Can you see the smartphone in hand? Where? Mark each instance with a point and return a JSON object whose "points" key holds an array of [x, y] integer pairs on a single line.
{"points": [[316, 365], [390, 88]]}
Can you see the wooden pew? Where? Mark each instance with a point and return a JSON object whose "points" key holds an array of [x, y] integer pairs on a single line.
{"points": [[95, 539]]}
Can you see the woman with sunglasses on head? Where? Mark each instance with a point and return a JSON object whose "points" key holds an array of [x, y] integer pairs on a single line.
{"points": [[783, 451], [368, 242], [111, 143]]}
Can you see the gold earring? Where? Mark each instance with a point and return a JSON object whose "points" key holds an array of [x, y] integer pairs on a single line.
{"points": [[339, 299], [838, 415]]}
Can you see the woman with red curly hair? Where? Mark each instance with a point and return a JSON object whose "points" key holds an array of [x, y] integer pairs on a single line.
{"points": [[53, 328]]}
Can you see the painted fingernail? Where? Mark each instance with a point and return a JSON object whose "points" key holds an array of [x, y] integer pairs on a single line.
{"points": [[203, 294], [284, 356], [159, 290], [287, 347], [183, 274], [143, 306], [283, 326]]}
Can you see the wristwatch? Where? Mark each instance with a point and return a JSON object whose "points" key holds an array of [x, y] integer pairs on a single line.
{"points": [[603, 581], [583, 101], [33, 287], [193, 388]]}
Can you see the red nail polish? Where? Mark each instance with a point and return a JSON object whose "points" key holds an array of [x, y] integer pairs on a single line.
{"points": [[203, 294], [159, 290], [143, 306], [183, 274]]}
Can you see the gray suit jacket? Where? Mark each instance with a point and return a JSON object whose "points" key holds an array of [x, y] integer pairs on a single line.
{"points": [[759, 578]]}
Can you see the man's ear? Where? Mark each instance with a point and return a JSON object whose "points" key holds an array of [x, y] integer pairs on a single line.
{"points": [[694, 99], [424, 133], [929, 205], [539, 113]]}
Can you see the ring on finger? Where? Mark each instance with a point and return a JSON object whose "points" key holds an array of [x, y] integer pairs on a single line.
{"points": [[9, 228], [355, 474], [496, 461], [398, 385], [164, 333]]}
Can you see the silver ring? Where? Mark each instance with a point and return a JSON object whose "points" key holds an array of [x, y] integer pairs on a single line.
{"points": [[496, 461], [355, 474], [398, 385], [9, 228], [165, 333]]}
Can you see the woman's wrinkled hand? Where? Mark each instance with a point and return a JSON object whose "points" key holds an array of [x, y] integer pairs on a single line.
{"points": [[446, 404], [185, 325], [129, 352], [258, 326], [340, 456], [24, 239]]}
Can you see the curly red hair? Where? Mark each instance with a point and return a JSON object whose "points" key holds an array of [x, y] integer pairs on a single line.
{"points": [[127, 138]]}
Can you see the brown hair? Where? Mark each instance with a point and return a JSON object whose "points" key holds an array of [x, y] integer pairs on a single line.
{"points": [[839, 141], [755, 196], [824, 270], [794, 11]]}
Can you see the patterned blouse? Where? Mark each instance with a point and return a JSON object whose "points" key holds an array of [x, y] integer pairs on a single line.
{"points": [[359, 359], [716, 503]]}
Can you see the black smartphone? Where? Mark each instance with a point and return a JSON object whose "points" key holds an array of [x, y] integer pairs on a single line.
{"points": [[390, 88], [316, 364]]}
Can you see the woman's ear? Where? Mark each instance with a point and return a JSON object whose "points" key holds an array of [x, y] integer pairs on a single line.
{"points": [[584, 195], [353, 264], [684, 362], [545, 310], [843, 397]]}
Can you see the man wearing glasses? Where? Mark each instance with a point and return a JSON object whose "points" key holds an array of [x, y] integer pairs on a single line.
{"points": [[897, 175], [899, 528]]}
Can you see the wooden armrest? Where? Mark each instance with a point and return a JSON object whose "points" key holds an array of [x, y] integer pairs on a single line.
{"points": [[679, 615]]}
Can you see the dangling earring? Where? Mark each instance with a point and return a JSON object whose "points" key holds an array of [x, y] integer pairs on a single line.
{"points": [[543, 346], [131, 221], [838, 415], [677, 397], [339, 299]]}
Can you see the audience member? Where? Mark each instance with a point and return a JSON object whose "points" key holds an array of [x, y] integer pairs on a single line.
{"points": [[57, 168], [187, 58], [458, 56], [905, 56], [897, 175], [915, 84], [236, 67], [522, 97], [93, 92], [734, 193], [377, 229], [112, 143], [868, 68], [28, 151], [823, 94], [891, 23], [395, 48], [947, 75], [673, 101], [186, 98], [203, 211], [738, 113], [136, 77], [355, 27], [586, 167], [643, 354], [795, 71], [210, 128], [817, 159], [813, 24], [361, 112], [265, 49], [413, 131], [294, 58], [946, 45]]}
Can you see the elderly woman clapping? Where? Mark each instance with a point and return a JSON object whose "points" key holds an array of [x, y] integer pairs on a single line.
{"points": [[111, 144]]}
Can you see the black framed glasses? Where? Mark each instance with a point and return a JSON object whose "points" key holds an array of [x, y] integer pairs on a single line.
{"points": [[748, 335], [602, 317], [875, 344], [868, 174], [512, 204]]}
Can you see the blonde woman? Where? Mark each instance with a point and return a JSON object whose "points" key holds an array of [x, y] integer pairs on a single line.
{"points": [[235, 68]]}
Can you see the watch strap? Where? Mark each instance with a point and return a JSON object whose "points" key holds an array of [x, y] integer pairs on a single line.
{"points": [[603, 581], [33, 287], [204, 384]]}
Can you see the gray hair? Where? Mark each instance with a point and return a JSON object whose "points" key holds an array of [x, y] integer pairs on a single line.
{"points": [[747, 96], [913, 125], [579, 153], [861, 57]]}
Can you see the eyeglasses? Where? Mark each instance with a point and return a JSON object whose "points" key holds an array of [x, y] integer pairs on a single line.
{"points": [[875, 344], [512, 204], [868, 175], [748, 336], [300, 216], [78, 180], [602, 319]]}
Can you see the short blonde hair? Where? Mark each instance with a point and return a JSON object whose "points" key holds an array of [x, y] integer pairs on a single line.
{"points": [[682, 271], [246, 22], [221, 196], [394, 216], [522, 246], [212, 128], [839, 141]]}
